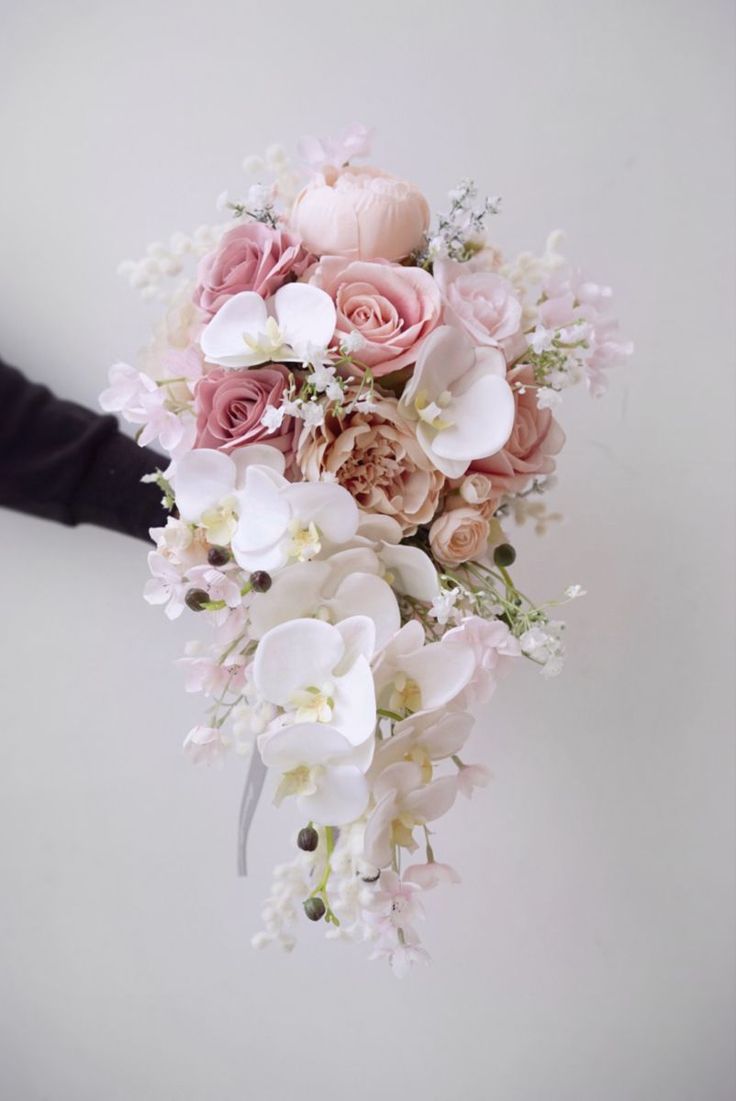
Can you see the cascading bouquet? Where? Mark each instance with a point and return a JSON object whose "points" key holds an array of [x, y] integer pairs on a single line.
{"points": [[353, 402]]}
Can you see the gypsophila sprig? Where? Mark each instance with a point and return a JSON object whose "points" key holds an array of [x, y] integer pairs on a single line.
{"points": [[357, 411]]}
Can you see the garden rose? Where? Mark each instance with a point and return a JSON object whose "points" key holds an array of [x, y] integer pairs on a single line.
{"points": [[393, 308], [459, 535], [376, 457], [534, 441], [251, 257], [360, 213], [229, 406], [481, 303]]}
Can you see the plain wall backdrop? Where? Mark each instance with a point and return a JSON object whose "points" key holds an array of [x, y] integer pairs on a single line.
{"points": [[588, 953]]}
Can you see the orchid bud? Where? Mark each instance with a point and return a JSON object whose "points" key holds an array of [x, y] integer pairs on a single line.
{"points": [[308, 839], [196, 599], [314, 908], [218, 556], [504, 555], [260, 581]]}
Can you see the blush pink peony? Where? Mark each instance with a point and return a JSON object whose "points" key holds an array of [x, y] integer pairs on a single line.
{"points": [[393, 308], [362, 214], [251, 257], [229, 406], [535, 440]]}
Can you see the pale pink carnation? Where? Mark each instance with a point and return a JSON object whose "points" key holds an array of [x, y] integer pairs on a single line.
{"points": [[251, 257], [393, 308]]}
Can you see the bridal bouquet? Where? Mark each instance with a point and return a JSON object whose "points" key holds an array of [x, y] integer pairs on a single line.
{"points": [[355, 398]]}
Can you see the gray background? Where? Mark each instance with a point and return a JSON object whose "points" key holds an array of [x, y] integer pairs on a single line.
{"points": [[588, 953]]}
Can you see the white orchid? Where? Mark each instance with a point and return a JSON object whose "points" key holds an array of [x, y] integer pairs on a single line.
{"points": [[348, 583], [284, 522], [402, 803], [460, 400], [424, 739], [243, 498], [289, 326], [312, 760], [316, 673], [413, 676], [407, 569]]}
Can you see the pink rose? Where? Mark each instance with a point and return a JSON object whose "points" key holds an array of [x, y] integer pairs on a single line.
{"points": [[535, 438], [481, 303], [360, 213], [251, 257], [393, 308], [229, 406]]}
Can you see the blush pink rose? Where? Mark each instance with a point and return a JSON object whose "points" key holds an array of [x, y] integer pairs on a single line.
{"points": [[360, 213], [393, 308], [481, 303], [251, 257], [534, 441], [229, 406]]}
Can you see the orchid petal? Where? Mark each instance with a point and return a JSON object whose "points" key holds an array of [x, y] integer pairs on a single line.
{"points": [[295, 655], [302, 744], [377, 837], [264, 511], [294, 594], [379, 529], [305, 316], [341, 796], [223, 340], [432, 801], [363, 594], [400, 779], [327, 505], [201, 480], [358, 633], [257, 454], [483, 416], [445, 357], [354, 711], [441, 671], [412, 571]]}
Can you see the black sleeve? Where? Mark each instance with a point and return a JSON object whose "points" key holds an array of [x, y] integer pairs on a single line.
{"points": [[63, 462]]}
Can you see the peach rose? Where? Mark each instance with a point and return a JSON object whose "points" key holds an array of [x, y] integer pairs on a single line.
{"points": [[375, 455], [360, 213], [534, 441], [459, 535], [251, 257], [393, 308]]}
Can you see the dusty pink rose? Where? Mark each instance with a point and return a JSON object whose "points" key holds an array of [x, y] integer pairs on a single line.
{"points": [[459, 535], [375, 455], [251, 257], [393, 308], [229, 406], [481, 303], [360, 213], [534, 441]]}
